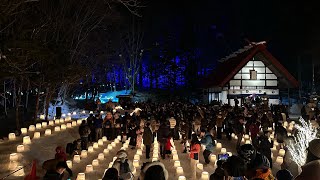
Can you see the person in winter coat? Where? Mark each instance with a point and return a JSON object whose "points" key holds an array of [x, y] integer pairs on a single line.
{"points": [[219, 173], [207, 140], [265, 146], [168, 146], [57, 173], [195, 148], [84, 131], [163, 133], [139, 132], [147, 139], [254, 130], [108, 124], [97, 123], [60, 154], [172, 122], [155, 171], [123, 165], [184, 129], [219, 123], [310, 170]]}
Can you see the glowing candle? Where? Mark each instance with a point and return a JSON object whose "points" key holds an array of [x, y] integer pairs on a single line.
{"points": [[282, 152], [139, 152], [91, 112], [24, 130], [36, 135], [57, 129], [175, 157], [176, 164], [44, 124], [236, 137], [219, 145], [57, 121], [20, 148], [182, 178], [136, 157], [76, 158], [74, 113], [100, 142], [106, 151], [179, 170], [95, 162], [125, 145], [38, 126], [63, 115], [32, 128], [232, 135], [83, 112], [13, 157], [26, 140], [89, 168], [84, 154], [104, 138], [100, 156], [51, 123], [20, 171], [63, 127], [116, 141], [81, 176], [213, 158], [154, 159], [61, 120], [223, 150], [289, 134], [200, 166], [205, 175], [79, 121], [110, 147], [12, 136], [230, 153], [242, 140], [95, 145], [113, 144], [136, 163], [279, 160], [47, 132], [42, 116], [276, 143], [174, 151], [74, 123], [247, 142], [69, 125], [246, 136], [69, 164], [90, 149]]}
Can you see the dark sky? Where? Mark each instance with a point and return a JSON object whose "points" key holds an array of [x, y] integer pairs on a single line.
{"points": [[291, 29]]}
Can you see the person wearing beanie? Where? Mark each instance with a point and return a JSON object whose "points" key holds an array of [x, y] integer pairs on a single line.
{"points": [[123, 165], [310, 170], [284, 174], [155, 171]]}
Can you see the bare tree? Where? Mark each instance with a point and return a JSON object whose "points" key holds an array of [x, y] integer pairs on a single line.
{"points": [[132, 54]]}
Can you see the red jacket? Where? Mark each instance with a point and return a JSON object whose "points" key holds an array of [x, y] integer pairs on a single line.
{"points": [[254, 130], [168, 145], [194, 149]]}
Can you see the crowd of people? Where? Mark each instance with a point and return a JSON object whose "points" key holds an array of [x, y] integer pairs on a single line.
{"points": [[195, 125]]}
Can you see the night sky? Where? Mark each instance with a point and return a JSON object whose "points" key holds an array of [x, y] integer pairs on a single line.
{"points": [[217, 28]]}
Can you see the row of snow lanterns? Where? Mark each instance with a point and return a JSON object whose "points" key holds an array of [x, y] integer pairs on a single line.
{"points": [[95, 162], [177, 164], [137, 157]]}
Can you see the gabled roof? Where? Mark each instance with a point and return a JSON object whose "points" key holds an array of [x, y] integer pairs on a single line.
{"points": [[232, 64]]}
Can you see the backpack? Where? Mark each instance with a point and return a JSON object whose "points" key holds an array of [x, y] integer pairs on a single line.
{"points": [[124, 167]]}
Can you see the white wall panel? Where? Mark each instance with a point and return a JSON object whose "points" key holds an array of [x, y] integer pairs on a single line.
{"points": [[237, 76], [268, 70], [271, 76], [235, 82], [272, 83], [253, 83], [261, 76]]}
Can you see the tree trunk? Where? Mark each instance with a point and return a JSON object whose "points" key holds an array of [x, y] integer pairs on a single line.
{"points": [[14, 96], [5, 98], [18, 108], [37, 106], [47, 103], [27, 95]]}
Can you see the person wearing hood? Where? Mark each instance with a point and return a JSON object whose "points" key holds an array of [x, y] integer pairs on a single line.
{"points": [[147, 139], [310, 170], [155, 171], [123, 165], [60, 154], [207, 140]]}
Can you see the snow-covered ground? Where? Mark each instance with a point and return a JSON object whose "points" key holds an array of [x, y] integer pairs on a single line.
{"points": [[44, 148]]}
